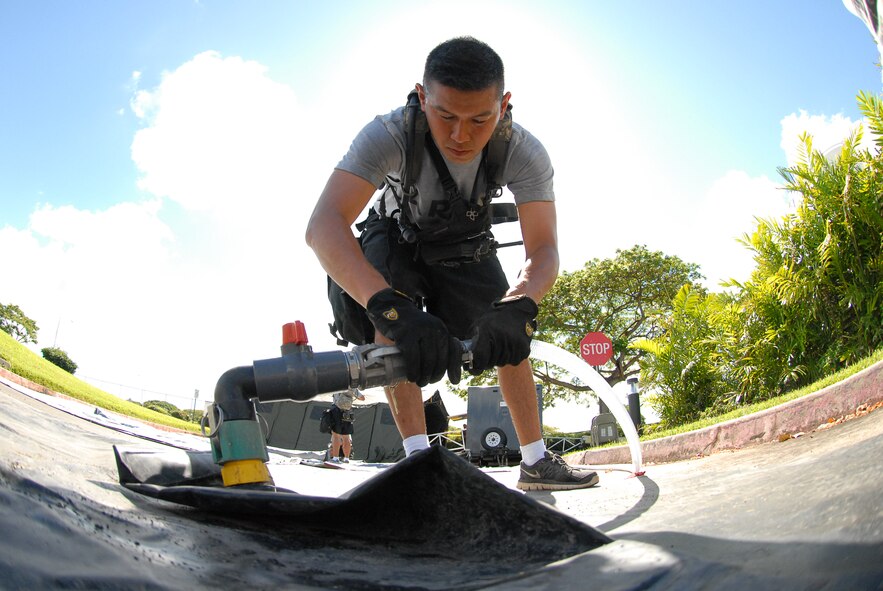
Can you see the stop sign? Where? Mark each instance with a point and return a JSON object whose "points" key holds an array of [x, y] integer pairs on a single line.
{"points": [[596, 348]]}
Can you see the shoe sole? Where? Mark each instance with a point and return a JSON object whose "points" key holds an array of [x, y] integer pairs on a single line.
{"points": [[529, 486]]}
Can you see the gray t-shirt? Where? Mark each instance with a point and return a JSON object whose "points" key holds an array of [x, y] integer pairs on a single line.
{"points": [[378, 153]]}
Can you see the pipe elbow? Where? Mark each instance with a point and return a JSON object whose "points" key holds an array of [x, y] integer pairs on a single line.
{"points": [[234, 392]]}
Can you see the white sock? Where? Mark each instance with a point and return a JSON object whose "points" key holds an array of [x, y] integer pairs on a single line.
{"points": [[533, 452], [415, 443]]}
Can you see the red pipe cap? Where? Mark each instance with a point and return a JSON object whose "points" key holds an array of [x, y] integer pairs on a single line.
{"points": [[294, 332]]}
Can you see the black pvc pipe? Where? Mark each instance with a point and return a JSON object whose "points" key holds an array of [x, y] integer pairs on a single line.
{"points": [[234, 391], [301, 376]]}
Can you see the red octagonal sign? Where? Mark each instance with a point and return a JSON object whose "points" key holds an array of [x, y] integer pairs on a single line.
{"points": [[596, 348]]}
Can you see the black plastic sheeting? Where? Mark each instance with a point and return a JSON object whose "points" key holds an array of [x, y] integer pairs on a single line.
{"points": [[434, 503]]}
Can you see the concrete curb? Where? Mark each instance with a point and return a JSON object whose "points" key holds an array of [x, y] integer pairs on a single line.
{"points": [[21, 381], [800, 415]]}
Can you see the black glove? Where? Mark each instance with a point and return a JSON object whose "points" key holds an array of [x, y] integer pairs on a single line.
{"points": [[502, 335], [427, 347]]}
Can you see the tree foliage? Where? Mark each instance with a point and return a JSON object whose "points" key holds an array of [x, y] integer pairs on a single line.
{"points": [[815, 301], [16, 324], [813, 304], [683, 367], [58, 357], [624, 297]]}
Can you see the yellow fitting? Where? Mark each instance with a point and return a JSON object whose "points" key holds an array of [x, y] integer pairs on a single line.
{"points": [[245, 472]]}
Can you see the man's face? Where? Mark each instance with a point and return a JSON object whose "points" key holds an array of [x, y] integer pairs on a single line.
{"points": [[461, 121]]}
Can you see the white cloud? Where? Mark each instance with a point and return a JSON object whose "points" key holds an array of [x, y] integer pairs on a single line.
{"points": [[236, 152], [126, 234], [221, 136], [97, 270], [729, 209], [91, 252], [732, 205], [168, 293], [827, 133]]}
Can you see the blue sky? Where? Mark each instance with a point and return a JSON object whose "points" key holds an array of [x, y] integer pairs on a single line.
{"points": [[158, 160]]}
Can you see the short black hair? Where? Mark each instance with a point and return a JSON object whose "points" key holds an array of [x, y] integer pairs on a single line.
{"points": [[464, 63]]}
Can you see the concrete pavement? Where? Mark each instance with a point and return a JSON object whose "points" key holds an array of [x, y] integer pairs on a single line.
{"points": [[754, 505], [803, 513]]}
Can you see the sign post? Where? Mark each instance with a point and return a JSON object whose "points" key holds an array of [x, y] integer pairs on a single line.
{"points": [[596, 348]]}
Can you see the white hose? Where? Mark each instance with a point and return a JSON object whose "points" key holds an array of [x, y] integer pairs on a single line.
{"points": [[585, 372]]}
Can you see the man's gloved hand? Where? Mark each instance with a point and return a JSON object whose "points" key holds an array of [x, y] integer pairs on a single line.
{"points": [[502, 335], [428, 348]]}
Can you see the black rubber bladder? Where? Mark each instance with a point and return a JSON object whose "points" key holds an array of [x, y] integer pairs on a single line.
{"points": [[434, 502]]}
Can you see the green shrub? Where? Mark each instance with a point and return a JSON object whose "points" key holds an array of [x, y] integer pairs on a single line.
{"points": [[811, 307], [192, 416], [167, 408], [59, 358]]}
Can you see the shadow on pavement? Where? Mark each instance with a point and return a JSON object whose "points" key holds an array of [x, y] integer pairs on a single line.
{"points": [[647, 500], [770, 564]]}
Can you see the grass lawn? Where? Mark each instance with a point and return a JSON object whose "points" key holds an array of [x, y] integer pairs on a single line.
{"points": [[28, 364]]}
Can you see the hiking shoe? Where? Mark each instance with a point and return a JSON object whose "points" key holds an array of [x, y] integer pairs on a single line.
{"points": [[553, 473]]}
